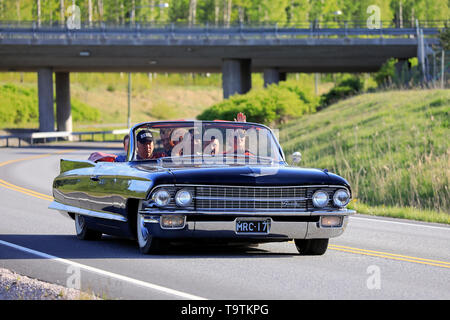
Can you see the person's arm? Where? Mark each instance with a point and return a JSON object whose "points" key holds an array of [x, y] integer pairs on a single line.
{"points": [[102, 157], [240, 117]]}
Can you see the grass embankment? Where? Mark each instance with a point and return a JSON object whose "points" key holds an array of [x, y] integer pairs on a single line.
{"points": [[393, 148]]}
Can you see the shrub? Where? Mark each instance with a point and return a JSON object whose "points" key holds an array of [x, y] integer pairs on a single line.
{"points": [[273, 105], [386, 72], [346, 88]]}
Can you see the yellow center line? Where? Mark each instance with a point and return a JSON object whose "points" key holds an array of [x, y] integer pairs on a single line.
{"points": [[33, 157], [390, 254], [441, 264], [29, 192]]}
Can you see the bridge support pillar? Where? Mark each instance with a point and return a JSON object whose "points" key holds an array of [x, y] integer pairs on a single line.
{"points": [[45, 97], [63, 107], [236, 76], [272, 75]]}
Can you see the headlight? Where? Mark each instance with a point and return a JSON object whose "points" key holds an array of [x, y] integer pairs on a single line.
{"points": [[320, 199], [183, 198], [341, 198], [161, 197]]}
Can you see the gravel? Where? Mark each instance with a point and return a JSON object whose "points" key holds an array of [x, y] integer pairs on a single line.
{"points": [[14, 286]]}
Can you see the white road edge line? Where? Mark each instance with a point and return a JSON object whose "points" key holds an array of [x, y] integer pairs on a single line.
{"points": [[404, 223], [105, 273]]}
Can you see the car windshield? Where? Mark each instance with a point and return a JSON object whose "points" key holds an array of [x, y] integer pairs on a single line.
{"points": [[212, 142]]}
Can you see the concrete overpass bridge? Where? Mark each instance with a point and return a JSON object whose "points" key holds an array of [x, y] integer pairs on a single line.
{"points": [[236, 52]]}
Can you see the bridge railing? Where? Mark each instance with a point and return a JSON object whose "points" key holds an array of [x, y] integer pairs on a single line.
{"points": [[26, 31], [316, 24]]}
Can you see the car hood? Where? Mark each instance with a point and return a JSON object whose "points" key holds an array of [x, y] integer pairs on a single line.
{"points": [[255, 175]]}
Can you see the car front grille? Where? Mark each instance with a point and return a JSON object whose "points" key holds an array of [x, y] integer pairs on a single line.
{"points": [[243, 198]]}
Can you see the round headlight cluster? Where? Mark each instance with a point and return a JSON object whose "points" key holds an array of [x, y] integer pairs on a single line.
{"points": [[183, 198], [161, 197], [341, 198], [320, 199]]}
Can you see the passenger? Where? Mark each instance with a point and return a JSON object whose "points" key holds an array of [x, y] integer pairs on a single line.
{"points": [[237, 146], [168, 144], [123, 157], [196, 143], [211, 147]]}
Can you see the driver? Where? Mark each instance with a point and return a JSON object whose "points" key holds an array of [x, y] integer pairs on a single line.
{"points": [[145, 145]]}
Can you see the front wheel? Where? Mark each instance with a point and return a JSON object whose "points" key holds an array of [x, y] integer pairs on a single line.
{"points": [[83, 232], [147, 243], [313, 247]]}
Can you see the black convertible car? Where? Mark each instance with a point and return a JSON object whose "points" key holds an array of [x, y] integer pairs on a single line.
{"points": [[212, 180]]}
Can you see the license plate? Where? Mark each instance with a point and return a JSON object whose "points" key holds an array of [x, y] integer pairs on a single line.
{"points": [[253, 226]]}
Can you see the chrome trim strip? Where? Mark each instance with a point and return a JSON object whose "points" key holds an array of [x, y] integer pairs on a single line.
{"points": [[252, 199], [241, 186], [222, 211], [103, 215], [150, 220], [344, 212], [251, 213]]}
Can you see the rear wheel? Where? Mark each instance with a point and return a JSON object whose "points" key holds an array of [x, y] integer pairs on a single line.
{"points": [[83, 232], [147, 243], [314, 247]]}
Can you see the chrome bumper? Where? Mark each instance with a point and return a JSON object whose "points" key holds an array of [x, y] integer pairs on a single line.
{"points": [[226, 229]]}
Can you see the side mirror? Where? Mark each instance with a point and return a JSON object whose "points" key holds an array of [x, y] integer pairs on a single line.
{"points": [[296, 157]]}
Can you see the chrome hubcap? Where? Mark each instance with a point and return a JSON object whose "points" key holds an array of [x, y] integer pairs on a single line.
{"points": [[142, 231], [79, 223]]}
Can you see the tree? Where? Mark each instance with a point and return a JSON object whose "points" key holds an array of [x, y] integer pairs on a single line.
{"points": [[38, 12], [297, 11], [444, 36], [192, 12]]}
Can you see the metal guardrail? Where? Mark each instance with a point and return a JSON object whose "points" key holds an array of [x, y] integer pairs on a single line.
{"points": [[317, 24], [131, 32], [31, 138]]}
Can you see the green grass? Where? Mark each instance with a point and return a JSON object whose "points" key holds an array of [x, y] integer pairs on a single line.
{"points": [[401, 212], [392, 147]]}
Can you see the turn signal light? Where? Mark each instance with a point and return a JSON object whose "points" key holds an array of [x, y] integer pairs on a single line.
{"points": [[331, 221], [172, 222]]}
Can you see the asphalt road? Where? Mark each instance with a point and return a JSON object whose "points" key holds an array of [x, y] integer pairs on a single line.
{"points": [[375, 258]]}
